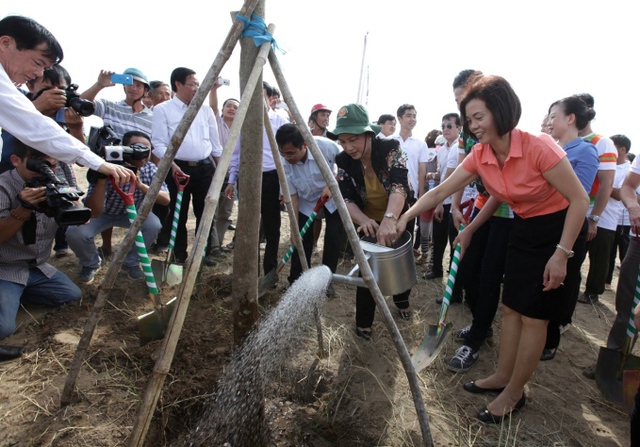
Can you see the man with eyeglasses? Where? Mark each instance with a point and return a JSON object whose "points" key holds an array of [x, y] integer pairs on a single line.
{"points": [[196, 156], [451, 127]]}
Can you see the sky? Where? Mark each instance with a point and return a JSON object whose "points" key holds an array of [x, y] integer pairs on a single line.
{"points": [[546, 49]]}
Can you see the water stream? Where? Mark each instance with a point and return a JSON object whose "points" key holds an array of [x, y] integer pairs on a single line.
{"points": [[235, 416]]}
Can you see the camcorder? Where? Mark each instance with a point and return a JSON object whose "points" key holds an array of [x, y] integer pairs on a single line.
{"points": [[81, 106], [60, 203], [105, 143]]}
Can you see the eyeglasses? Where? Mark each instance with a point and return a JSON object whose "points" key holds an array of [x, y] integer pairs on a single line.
{"points": [[196, 86], [447, 126], [288, 154]]}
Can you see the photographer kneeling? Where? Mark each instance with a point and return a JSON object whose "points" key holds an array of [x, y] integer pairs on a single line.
{"points": [[108, 210], [26, 237]]}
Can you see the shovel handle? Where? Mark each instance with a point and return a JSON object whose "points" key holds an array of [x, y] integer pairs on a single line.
{"points": [[181, 180], [319, 204], [132, 213], [127, 197]]}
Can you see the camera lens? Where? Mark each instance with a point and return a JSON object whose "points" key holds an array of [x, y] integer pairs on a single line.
{"points": [[82, 106]]}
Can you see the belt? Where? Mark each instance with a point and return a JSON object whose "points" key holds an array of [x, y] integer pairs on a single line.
{"points": [[204, 161]]}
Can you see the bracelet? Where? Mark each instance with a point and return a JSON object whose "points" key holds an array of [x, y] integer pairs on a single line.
{"points": [[566, 251], [15, 216]]}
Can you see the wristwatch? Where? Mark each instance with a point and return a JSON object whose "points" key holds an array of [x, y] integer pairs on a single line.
{"points": [[566, 251], [593, 217], [390, 215]]}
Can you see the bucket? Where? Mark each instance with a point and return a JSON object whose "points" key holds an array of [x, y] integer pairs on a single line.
{"points": [[393, 268]]}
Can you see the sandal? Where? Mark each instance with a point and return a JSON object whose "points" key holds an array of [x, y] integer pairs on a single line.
{"points": [[364, 334]]}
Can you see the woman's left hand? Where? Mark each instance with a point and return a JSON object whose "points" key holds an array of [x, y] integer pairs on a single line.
{"points": [[387, 233], [555, 271]]}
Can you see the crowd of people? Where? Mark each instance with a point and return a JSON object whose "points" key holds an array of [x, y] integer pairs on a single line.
{"points": [[539, 203]]}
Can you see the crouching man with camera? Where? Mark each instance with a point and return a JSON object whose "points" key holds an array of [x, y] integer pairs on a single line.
{"points": [[108, 210], [26, 237]]}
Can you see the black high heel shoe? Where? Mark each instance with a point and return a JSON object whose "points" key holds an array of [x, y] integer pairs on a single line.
{"points": [[489, 418], [473, 388]]}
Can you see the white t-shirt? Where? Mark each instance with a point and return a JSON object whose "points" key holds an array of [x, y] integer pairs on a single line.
{"points": [[611, 213], [417, 152], [635, 168]]}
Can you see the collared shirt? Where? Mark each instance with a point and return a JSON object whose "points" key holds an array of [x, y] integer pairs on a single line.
{"points": [[19, 116], [113, 203], [305, 178], [121, 117], [612, 212], [267, 156], [417, 152], [201, 140], [223, 130], [583, 157], [520, 182], [15, 257]]}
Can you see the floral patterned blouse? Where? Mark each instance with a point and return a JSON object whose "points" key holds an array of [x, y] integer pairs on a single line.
{"points": [[389, 162]]}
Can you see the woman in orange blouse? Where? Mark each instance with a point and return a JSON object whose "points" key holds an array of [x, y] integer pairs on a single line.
{"points": [[533, 176]]}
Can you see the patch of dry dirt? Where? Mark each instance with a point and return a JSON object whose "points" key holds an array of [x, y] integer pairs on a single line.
{"points": [[355, 395]]}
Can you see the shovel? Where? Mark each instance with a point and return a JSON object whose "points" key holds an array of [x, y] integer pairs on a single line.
{"points": [[618, 371], [168, 271], [271, 278], [152, 325], [437, 334]]}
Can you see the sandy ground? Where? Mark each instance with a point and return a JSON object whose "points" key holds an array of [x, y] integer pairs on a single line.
{"points": [[356, 395]]}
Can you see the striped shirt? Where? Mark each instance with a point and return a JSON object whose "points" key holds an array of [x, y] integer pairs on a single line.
{"points": [[15, 257], [120, 116]]}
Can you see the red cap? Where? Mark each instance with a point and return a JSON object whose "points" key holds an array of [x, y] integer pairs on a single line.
{"points": [[319, 107]]}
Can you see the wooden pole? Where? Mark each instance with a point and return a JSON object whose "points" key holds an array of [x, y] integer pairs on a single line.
{"points": [[365, 269], [145, 208], [163, 364]]}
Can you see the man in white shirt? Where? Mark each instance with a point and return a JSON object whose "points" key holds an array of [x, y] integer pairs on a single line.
{"points": [[451, 127], [194, 157], [417, 155], [26, 50], [270, 199], [388, 124]]}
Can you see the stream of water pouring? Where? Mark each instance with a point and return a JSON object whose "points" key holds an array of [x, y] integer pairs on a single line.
{"points": [[235, 416]]}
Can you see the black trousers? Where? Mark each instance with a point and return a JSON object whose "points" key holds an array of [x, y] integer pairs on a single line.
{"points": [[334, 237], [270, 213], [482, 269], [195, 191]]}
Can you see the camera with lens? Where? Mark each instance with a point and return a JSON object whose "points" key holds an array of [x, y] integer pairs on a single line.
{"points": [[105, 143], [60, 203], [81, 106]]}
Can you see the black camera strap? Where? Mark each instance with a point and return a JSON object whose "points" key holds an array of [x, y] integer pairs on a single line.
{"points": [[29, 230], [30, 226]]}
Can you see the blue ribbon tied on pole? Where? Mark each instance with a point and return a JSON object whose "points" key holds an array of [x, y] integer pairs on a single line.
{"points": [[257, 30]]}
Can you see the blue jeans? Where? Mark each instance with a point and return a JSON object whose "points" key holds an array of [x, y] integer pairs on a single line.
{"points": [[39, 290], [81, 238]]}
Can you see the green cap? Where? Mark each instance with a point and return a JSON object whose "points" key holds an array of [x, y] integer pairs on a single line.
{"points": [[354, 119]]}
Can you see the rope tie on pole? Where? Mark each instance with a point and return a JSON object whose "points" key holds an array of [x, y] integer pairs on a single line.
{"points": [[256, 28]]}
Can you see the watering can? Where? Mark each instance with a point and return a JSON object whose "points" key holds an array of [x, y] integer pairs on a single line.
{"points": [[394, 268]]}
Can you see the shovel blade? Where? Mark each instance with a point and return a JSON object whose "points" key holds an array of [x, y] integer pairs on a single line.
{"points": [[157, 266], [153, 325], [611, 369], [266, 283], [431, 346], [174, 274]]}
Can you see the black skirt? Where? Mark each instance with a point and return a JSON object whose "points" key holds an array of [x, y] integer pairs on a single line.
{"points": [[531, 243]]}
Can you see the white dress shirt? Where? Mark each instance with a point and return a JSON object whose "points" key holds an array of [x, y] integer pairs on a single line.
{"points": [[202, 139], [19, 117]]}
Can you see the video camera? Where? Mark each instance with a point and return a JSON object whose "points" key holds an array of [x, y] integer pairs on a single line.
{"points": [[105, 143], [60, 196]]}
